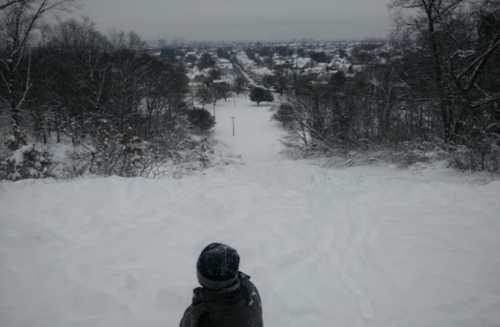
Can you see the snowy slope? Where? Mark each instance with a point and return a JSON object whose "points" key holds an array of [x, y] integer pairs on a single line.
{"points": [[362, 246]]}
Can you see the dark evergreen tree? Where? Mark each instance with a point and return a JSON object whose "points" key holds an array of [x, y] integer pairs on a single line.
{"points": [[258, 94]]}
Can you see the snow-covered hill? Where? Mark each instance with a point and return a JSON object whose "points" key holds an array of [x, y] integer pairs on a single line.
{"points": [[361, 246]]}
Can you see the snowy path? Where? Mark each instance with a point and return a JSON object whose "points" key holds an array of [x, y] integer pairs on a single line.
{"points": [[256, 138], [363, 246]]}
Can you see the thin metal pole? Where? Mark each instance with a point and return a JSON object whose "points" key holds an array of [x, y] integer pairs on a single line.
{"points": [[234, 127]]}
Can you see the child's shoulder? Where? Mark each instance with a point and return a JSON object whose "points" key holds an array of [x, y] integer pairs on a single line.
{"points": [[197, 295]]}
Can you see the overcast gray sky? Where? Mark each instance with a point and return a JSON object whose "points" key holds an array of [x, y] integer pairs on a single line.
{"points": [[220, 20]]}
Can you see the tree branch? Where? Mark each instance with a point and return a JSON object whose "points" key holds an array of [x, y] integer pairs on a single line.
{"points": [[9, 3]]}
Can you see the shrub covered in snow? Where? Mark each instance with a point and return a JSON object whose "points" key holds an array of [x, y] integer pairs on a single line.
{"points": [[16, 140], [285, 114], [201, 119], [121, 154], [467, 158], [26, 162]]}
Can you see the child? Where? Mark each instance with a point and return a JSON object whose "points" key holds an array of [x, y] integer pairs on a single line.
{"points": [[227, 298]]}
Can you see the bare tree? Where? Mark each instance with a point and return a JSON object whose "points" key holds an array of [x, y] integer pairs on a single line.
{"points": [[18, 21], [431, 17], [4, 4]]}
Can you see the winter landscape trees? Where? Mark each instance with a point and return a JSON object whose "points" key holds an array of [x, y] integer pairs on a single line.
{"points": [[117, 106], [461, 40], [432, 85], [330, 163]]}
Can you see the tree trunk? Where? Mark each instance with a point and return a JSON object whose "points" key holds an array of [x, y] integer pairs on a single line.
{"points": [[438, 75]]}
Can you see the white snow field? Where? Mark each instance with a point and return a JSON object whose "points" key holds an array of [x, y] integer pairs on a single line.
{"points": [[360, 246]]}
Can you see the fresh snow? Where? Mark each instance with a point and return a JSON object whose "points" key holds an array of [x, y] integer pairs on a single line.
{"points": [[359, 246]]}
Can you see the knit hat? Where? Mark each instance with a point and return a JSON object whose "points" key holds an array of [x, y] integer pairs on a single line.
{"points": [[218, 266]]}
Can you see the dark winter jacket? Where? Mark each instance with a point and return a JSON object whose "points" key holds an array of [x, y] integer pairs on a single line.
{"points": [[236, 306]]}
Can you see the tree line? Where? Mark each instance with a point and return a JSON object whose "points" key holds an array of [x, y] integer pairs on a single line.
{"points": [[437, 82], [68, 82]]}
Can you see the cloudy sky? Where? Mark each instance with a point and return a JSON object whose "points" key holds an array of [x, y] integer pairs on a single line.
{"points": [[220, 20]]}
